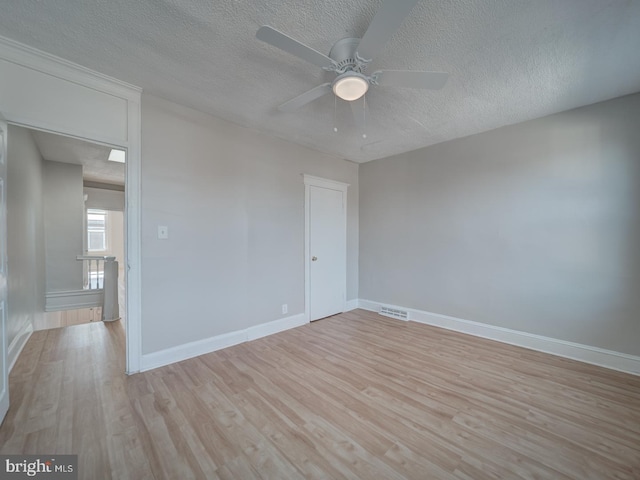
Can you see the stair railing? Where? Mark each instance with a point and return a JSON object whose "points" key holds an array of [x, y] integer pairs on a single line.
{"points": [[101, 273]]}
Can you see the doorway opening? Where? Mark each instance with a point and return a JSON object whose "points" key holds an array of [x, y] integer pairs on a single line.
{"points": [[72, 241]]}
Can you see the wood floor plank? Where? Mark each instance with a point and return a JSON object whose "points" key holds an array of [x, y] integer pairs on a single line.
{"points": [[352, 396]]}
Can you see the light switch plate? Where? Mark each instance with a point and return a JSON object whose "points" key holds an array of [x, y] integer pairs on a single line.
{"points": [[163, 232]]}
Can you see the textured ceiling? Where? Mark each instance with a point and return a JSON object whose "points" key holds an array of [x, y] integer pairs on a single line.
{"points": [[510, 61], [92, 157]]}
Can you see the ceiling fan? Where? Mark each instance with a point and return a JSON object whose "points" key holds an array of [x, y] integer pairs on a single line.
{"points": [[349, 58]]}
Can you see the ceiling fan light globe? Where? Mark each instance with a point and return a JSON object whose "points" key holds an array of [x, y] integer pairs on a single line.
{"points": [[350, 87]]}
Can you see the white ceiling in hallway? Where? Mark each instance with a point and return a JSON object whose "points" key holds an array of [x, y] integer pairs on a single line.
{"points": [[509, 61], [92, 156]]}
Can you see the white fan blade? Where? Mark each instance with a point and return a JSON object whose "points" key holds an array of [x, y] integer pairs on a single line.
{"points": [[305, 98], [411, 79], [284, 42], [385, 22]]}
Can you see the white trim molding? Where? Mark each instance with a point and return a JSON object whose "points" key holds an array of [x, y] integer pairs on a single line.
{"points": [[351, 305], [276, 326], [584, 353], [208, 345], [312, 181], [191, 349], [35, 59], [73, 299], [133, 241], [18, 344]]}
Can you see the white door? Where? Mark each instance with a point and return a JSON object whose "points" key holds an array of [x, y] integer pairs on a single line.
{"points": [[326, 250], [4, 368]]}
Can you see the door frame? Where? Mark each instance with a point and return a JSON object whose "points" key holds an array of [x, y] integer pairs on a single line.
{"points": [[117, 106], [4, 344], [313, 181]]}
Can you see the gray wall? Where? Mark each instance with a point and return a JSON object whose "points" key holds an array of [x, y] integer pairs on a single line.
{"points": [[25, 234], [105, 199], [233, 200], [533, 227], [63, 225]]}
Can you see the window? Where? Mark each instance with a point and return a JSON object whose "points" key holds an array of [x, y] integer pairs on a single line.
{"points": [[96, 230]]}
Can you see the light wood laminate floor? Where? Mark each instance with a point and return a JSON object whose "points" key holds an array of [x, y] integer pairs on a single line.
{"points": [[67, 318], [352, 396]]}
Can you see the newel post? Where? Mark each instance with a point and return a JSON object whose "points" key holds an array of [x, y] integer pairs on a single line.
{"points": [[110, 310]]}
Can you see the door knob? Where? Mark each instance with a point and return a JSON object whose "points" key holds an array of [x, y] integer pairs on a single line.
{"points": [[313, 259]]}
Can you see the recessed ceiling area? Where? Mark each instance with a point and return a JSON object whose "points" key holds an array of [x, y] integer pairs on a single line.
{"points": [[92, 157], [509, 61]]}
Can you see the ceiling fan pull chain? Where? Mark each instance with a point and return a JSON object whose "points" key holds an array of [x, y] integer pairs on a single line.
{"points": [[364, 116]]}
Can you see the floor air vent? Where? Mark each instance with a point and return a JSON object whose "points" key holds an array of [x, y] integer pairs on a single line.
{"points": [[394, 313]]}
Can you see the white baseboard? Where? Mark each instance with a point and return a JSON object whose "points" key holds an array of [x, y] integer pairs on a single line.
{"points": [[351, 305], [265, 329], [369, 305], [191, 349], [71, 300], [208, 345], [18, 344], [576, 351]]}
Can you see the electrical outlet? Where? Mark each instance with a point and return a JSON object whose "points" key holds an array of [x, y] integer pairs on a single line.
{"points": [[285, 308], [163, 232]]}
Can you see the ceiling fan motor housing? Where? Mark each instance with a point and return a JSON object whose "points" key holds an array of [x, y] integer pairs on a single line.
{"points": [[351, 83], [343, 53]]}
